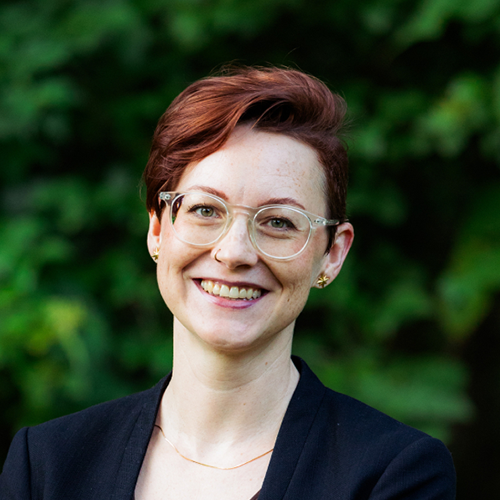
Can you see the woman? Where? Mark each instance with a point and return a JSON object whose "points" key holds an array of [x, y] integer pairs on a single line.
{"points": [[246, 186]]}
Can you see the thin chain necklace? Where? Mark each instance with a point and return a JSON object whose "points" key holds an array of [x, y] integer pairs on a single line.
{"points": [[207, 465]]}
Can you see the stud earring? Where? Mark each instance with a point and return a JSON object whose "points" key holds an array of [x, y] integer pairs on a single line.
{"points": [[322, 281], [156, 254]]}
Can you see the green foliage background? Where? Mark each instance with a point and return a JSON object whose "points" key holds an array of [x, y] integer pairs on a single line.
{"points": [[410, 326]]}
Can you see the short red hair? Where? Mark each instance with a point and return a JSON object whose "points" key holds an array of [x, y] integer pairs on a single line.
{"points": [[283, 101]]}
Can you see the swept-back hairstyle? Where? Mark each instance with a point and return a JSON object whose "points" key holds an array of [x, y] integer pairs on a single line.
{"points": [[283, 101]]}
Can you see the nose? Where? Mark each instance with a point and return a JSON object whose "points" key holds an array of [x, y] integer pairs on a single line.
{"points": [[235, 249]]}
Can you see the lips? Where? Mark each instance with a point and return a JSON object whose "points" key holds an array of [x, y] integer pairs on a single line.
{"points": [[230, 292]]}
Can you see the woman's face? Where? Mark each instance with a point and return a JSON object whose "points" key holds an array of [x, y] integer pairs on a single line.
{"points": [[253, 168]]}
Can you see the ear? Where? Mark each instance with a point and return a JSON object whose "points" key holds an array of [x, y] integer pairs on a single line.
{"points": [[335, 258], [154, 232]]}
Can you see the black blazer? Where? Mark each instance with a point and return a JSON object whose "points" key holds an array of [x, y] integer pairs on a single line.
{"points": [[329, 447]]}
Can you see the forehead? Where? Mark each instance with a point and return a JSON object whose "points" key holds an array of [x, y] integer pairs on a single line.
{"points": [[254, 166]]}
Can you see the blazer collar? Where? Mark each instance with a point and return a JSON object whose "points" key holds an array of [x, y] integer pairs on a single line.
{"points": [[297, 422], [138, 442]]}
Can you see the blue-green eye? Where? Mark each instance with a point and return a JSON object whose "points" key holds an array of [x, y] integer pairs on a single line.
{"points": [[205, 211], [279, 223]]}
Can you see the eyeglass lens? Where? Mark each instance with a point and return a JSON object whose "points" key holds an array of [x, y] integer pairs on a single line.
{"points": [[200, 219]]}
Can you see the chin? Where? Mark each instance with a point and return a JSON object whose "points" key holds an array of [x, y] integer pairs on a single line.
{"points": [[235, 342], [244, 338]]}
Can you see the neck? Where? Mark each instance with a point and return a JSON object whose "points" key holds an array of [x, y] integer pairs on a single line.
{"points": [[227, 401]]}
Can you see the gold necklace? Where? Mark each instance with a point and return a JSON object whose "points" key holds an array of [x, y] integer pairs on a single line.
{"points": [[207, 465]]}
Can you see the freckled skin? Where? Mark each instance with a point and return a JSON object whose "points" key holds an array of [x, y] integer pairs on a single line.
{"points": [[251, 168], [233, 377]]}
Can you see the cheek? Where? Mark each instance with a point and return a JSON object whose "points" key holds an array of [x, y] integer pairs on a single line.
{"points": [[296, 301], [298, 279], [303, 273], [174, 257], [165, 284]]}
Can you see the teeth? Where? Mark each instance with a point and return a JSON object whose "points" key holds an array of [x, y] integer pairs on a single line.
{"points": [[233, 293]]}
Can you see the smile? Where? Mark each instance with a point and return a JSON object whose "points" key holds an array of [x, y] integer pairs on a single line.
{"points": [[233, 292]]}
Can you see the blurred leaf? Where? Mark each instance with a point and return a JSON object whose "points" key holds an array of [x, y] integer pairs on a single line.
{"points": [[82, 85], [429, 20], [451, 121], [468, 285]]}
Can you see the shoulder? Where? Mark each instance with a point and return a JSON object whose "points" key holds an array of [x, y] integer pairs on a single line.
{"points": [[349, 419], [371, 454], [373, 436], [101, 417], [82, 446], [110, 419], [358, 421]]}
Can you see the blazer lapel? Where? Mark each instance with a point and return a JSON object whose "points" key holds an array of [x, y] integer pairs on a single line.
{"points": [[137, 444], [294, 430]]}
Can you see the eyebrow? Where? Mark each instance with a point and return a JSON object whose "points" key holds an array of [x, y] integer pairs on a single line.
{"points": [[210, 190], [285, 201], [270, 201]]}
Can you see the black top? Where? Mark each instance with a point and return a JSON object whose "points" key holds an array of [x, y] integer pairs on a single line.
{"points": [[329, 447]]}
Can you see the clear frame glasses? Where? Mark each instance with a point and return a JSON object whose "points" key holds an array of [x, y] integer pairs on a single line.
{"points": [[280, 232]]}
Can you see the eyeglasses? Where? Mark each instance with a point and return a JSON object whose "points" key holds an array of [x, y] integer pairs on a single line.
{"points": [[277, 231]]}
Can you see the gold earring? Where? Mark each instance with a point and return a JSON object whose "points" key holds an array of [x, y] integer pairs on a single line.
{"points": [[322, 281], [156, 254]]}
